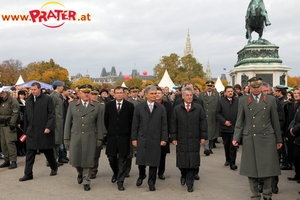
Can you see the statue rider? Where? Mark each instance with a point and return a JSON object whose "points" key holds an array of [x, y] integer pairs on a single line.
{"points": [[255, 4]]}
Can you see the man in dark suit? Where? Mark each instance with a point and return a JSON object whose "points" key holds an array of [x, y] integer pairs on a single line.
{"points": [[164, 149], [118, 120], [39, 125], [226, 114], [258, 125], [149, 133]]}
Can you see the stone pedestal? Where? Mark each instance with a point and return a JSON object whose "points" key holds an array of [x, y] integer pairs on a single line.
{"points": [[262, 60]]}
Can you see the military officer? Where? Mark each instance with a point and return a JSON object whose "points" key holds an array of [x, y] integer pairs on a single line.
{"points": [[9, 112], [258, 125], [94, 95], [83, 133], [210, 99], [134, 96]]}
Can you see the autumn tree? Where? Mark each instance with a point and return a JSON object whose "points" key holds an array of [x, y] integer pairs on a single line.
{"points": [[81, 81], [148, 82], [293, 81], [47, 72], [10, 71], [136, 81], [180, 69]]}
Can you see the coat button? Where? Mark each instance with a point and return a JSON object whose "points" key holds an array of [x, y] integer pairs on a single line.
{"points": [[254, 134], [253, 125], [82, 124], [264, 125], [253, 117], [82, 132], [82, 117]]}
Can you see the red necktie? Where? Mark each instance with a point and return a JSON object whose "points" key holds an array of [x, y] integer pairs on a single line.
{"points": [[188, 107]]}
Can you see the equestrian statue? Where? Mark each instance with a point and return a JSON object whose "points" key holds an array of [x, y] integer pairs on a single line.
{"points": [[256, 19]]}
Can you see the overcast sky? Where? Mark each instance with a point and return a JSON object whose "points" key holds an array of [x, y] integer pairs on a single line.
{"points": [[132, 34]]}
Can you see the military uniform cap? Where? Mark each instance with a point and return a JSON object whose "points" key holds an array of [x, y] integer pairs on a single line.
{"points": [[210, 83], [125, 89], [95, 90], [85, 88], [134, 89], [255, 82]]}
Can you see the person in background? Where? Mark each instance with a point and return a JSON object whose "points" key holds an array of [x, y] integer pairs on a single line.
{"points": [[9, 114], [246, 90], [164, 149], [21, 146], [238, 90], [226, 114]]}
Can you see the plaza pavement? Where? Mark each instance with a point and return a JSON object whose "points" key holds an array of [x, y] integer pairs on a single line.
{"points": [[217, 182]]}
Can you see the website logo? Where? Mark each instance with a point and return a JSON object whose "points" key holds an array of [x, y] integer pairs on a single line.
{"points": [[51, 14]]}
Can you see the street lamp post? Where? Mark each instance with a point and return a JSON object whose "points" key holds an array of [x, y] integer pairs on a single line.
{"points": [[0, 79]]}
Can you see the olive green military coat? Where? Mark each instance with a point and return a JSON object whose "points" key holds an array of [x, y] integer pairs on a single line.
{"points": [[258, 126], [83, 127]]}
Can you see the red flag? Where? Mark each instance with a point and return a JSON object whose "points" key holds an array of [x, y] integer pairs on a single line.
{"points": [[22, 138]]}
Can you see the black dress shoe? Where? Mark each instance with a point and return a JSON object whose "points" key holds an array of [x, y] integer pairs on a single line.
{"points": [[5, 164], [182, 180], [121, 187], [139, 181], [206, 152], [66, 158], [210, 151], [233, 167], [197, 177], [161, 177], [93, 175], [86, 187], [275, 189], [79, 178], [59, 164], [190, 189], [62, 160], [152, 188], [13, 165], [127, 175], [226, 163], [53, 172], [295, 178], [26, 178], [114, 178]]}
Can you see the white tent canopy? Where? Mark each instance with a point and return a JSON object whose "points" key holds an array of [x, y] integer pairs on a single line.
{"points": [[123, 85], [166, 81], [219, 85], [20, 80]]}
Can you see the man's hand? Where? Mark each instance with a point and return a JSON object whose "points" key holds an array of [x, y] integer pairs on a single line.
{"points": [[47, 130], [163, 143], [67, 144], [174, 142], [227, 123], [279, 145], [235, 143], [202, 141], [134, 143]]}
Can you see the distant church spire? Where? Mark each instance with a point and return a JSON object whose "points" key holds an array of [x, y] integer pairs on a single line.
{"points": [[208, 71], [188, 46]]}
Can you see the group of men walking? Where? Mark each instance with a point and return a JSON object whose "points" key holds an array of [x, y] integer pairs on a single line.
{"points": [[146, 128]]}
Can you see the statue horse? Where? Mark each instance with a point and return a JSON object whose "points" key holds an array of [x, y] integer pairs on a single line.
{"points": [[255, 22]]}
